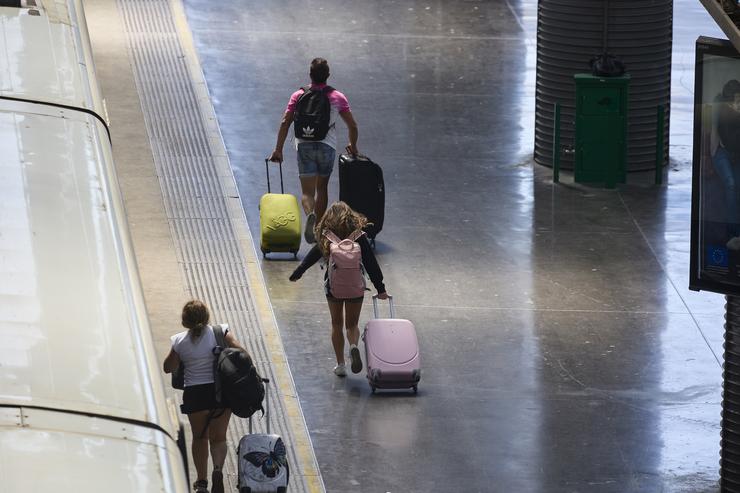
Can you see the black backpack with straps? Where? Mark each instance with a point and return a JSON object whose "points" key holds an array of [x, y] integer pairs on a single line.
{"points": [[311, 119], [238, 385]]}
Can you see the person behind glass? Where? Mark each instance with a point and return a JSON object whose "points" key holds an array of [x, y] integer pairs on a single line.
{"points": [[194, 347], [726, 157], [341, 220]]}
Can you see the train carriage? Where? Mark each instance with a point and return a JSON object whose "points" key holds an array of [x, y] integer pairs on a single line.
{"points": [[82, 400]]}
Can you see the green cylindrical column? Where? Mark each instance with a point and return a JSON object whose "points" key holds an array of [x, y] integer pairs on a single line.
{"points": [[569, 34]]}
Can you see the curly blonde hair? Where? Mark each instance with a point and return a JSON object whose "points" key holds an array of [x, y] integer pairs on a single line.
{"points": [[341, 220]]}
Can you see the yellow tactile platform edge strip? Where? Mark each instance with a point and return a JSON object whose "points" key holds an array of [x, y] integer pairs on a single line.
{"points": [[273, 342]]}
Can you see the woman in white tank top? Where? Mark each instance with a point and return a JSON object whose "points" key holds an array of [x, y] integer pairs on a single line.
{"points": [[194, 348]]}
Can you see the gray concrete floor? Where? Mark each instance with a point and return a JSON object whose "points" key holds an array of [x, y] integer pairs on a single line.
{"points": [[562, 350]]}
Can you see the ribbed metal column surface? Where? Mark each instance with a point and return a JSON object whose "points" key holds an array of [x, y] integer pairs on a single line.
{"points": [[730, 441], [569, 34], [205, 241]]}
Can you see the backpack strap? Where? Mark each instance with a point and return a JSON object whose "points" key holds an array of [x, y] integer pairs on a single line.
{"points": [[332, 237], [326, 90], [220, 331], [305, 90], [356, 235]]}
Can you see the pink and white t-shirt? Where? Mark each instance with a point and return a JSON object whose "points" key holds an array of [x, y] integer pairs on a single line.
{"points": [[339, 104]]}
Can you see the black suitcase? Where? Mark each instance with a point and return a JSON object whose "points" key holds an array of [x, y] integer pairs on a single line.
{"points": [[361, 186]]}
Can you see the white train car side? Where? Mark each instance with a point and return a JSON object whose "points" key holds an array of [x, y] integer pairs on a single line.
{"points": [[82, 401]]}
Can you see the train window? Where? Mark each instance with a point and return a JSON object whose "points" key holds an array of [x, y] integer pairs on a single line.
{"points": [[21, 4]]}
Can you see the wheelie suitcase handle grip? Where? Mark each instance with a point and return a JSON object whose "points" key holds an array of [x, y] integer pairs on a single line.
{"points": [[356, 156], [267, 171], [375, 306]]}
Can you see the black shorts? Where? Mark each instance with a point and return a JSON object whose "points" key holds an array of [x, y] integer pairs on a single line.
{"points": [[332, 299], [199, 398]]}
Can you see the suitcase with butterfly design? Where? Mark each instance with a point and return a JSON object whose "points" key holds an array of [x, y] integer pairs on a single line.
{"points": [[262, 459]]}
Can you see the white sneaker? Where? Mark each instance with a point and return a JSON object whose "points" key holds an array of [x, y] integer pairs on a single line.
{"points": [[340, 370]]}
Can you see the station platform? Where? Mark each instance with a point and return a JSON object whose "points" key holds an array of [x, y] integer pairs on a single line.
{"points": [[562, 350]]}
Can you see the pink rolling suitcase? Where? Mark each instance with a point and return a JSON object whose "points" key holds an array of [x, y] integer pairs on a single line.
{"points": [[391, 351]]}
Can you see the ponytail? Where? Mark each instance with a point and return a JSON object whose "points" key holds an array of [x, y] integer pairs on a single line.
{"points": [[195, 332], [195, 317]]}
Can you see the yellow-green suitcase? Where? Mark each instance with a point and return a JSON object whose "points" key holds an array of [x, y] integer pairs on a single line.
{"points": [[280, 220]]}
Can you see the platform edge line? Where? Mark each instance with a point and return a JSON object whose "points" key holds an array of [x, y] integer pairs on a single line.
{"points": [[272, 339]]}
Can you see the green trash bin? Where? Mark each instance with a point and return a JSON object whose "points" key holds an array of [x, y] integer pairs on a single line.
{"points": [[601, 129]]}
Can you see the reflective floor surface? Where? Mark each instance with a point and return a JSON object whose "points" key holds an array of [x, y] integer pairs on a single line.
{"points": [[562, 350]]}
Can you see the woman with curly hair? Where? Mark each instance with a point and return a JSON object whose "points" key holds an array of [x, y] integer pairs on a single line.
{"points": [[340, 222]]}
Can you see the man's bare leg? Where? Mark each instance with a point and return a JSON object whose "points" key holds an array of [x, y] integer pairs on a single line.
{"points": [[322, 196], [308, 189]]}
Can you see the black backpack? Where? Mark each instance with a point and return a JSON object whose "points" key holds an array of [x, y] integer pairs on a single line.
{"points": [[607, 65], [312, 112], [238, 385]]}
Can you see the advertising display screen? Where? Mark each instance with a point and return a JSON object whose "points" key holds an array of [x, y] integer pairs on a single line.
{"points": [[715, 202]]}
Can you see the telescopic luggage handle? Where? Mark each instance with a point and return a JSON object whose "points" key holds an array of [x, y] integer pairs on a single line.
{"points": [[358, 156], [375, 306], [267, 171]]}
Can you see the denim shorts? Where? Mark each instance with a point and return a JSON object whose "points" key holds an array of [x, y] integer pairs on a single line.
{"points": [[315, 159]]}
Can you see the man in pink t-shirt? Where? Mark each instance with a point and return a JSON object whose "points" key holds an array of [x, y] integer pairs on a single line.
{"points": [[316, 157]]}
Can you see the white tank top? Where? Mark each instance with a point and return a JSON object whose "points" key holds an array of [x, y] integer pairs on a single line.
{"points": [[197, 355]]}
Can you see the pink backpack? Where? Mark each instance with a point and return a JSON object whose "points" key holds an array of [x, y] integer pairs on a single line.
{"points": [[346, 273]]}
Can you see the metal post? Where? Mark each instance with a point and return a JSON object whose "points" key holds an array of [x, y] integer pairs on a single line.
{"points": [[605, 33], [729, 471], [267, 172], [556, 146], [659, 147]]}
